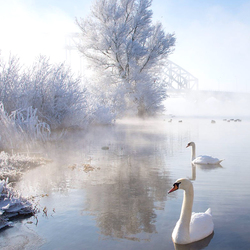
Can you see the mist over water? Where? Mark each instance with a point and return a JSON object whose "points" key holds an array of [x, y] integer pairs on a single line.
{"points": [[107, 189]]}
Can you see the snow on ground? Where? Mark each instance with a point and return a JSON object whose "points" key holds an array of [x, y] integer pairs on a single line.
{"points": [[11, 203], [12, 166]]}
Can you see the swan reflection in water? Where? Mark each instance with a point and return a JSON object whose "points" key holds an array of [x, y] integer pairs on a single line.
{"points": [[208, 167], [198, 245], [203, 168], [193, 178]]}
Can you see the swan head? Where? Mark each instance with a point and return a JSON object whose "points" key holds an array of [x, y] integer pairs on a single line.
{"points": [[192, 144], [182, 183]]}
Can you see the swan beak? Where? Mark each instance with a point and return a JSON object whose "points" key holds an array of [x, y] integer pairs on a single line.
{"points": [[187, 146], [173, 189]]}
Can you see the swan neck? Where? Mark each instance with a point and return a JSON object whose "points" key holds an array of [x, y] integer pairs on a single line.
{"points": [[193, 152], [186, 210]]}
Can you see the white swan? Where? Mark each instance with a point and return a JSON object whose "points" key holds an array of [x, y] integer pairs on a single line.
{"points": [[202, 159], [190, 227]]}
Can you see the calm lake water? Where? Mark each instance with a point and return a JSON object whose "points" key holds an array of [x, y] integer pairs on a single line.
{"points": [[108, 189]]}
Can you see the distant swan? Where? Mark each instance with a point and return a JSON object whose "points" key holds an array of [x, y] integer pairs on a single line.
{"points": [[202, 159], [190, 227]]}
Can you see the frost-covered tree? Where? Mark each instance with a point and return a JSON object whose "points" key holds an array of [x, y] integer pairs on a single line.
{"points": [[128, 51]]}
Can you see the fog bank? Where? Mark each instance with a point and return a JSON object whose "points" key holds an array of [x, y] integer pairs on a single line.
{"points": [[237, 107]]}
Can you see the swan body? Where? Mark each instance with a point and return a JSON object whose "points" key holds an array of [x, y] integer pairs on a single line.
{"points": [[202, 159], [205, 159], [190, 227]]}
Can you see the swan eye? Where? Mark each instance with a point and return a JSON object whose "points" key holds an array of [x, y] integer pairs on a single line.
{"points": [[177, 184]]}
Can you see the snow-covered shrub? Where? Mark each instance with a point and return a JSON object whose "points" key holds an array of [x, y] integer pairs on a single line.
{"points": [[10, 74], [102, 115], [20, 128], [57, 94], [12, 204], [59, 98], [9, 134], [28, 124]]}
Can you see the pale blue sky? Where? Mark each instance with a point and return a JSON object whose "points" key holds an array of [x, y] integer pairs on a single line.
{"points": [[213, 37]]}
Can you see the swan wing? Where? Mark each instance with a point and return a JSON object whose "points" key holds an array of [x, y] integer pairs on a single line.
{"points": [[206, 159], [201, 225]]}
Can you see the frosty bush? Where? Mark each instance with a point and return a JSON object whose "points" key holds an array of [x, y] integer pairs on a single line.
{"points": [[102, 115], [27, 122], [20, 128], [10, 84], [12, 204], [58, 96], [55, 95]]}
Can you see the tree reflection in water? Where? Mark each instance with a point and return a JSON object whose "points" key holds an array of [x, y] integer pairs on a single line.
{"points": [[132, 185], [126, 207]]}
